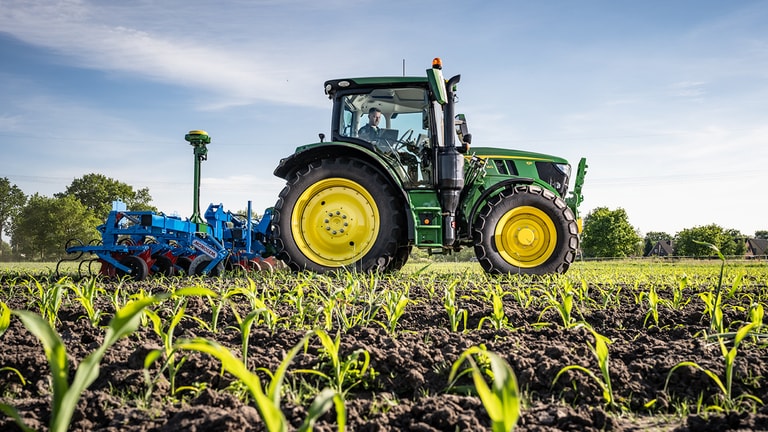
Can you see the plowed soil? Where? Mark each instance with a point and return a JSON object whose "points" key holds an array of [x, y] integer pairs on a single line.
{"points": [[409, 390]]}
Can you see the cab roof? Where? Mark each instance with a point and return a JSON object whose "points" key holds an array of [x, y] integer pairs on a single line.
{"points": [[334, 85]]}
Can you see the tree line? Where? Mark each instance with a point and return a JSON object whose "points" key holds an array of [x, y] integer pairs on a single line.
{"points": [[40, 226], [608, 234]]}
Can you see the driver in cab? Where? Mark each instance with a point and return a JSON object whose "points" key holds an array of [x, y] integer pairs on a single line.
{"points": [[370, 131]]}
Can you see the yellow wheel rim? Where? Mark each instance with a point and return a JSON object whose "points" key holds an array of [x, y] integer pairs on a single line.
{"points": [[525, 237], [335, 222]]}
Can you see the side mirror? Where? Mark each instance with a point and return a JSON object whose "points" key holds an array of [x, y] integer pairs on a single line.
{"points": [[465, 142]]}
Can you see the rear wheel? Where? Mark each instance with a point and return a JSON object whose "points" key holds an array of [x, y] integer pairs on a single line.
{"points": [[527, 229], [339, 213]]}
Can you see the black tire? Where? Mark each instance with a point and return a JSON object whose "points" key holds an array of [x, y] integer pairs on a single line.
{"points": [[163, 266], [527, 229], [201, 262], [339, 213], [139, 268], [399, 260]]}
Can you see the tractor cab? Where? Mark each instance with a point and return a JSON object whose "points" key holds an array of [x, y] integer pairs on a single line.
{"points": [[396, 122]]}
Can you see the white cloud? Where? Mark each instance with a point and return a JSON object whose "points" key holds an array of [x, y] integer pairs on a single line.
{"points": [[235, 73]]}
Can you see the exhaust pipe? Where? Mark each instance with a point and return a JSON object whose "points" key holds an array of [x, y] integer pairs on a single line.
{"points": [[450, 165]]}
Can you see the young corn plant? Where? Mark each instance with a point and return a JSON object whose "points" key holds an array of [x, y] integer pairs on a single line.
{"points": [[498, 317], [268, 402], [171, 363], [66, 394], [716, 311], [345, 373], [561, 300], [456, 315], [502, 399], [359, 303], [394, 306], [729, 359], [246, 325], [600, 351], [679, 299], [297, 299], [85, 295], [49, 298], [652, 297]]}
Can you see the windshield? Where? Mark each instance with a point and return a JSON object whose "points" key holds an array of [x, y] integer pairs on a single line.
{"points": [[395, 122], [385, 110]]}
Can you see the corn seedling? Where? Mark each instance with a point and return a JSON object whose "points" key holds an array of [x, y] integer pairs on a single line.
{"points": [[344, 373], [729, 357], [735, 285], [166, 334], [268, 403], [498, 317], [679, 299], [296, 298], [716, 323], [49, 299], [455, 314], [394, 307], [358, 305], [562, 305], [246, 325], [322, 403], [610, 295], [502, 399], [66, 394], [85, 295], [600, 351], [653, 306], [714, 309], [217, 304]]}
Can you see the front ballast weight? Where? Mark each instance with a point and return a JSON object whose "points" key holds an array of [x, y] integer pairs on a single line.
{"points": [[139, 244]]}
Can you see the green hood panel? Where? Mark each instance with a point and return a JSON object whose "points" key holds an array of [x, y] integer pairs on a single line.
{"points": [[484, 152]]}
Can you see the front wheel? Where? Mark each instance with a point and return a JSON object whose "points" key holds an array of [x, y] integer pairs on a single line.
{"points": [[527, 229], [339, 213]]}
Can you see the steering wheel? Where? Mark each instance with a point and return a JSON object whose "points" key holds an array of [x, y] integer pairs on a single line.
{"points": [[394, 150], [403, 140]]}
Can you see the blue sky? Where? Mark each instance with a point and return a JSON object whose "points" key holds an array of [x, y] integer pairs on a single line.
{"points": [[668, 100]]}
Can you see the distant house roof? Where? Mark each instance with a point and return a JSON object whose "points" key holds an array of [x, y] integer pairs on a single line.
{"points": [[757, 247], [662, 248]]}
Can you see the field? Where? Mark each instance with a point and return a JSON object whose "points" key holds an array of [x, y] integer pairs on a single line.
{"points": [[629, 345]]}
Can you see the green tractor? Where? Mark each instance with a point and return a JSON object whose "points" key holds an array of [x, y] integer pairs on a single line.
{"points": [[398, 172]]}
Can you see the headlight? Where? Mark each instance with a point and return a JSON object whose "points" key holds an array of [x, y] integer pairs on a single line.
{"points": [[565, 168], [555, 174]]}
